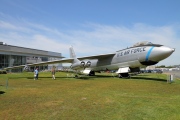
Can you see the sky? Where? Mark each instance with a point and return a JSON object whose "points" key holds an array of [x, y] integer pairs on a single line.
{"points": [[92, 27]]}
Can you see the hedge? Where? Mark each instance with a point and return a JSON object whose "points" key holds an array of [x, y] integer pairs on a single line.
{"points": [[3, 72]]}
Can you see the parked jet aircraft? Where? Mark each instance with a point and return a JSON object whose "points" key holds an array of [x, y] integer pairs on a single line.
{"points": [[127, 60]]}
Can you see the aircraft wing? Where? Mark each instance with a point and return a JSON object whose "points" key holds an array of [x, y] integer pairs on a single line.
{"points": [[69, 60], [97, 56]]}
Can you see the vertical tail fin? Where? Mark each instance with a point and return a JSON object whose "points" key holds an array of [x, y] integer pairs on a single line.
{"points": [[72, 54]]}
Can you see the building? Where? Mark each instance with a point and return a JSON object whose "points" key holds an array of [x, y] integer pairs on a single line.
{"points": [[152, 67], [13, 55]]}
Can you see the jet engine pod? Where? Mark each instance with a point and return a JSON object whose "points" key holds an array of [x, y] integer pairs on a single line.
{"points": [[88, 64], [78, 65], [82, 63]]}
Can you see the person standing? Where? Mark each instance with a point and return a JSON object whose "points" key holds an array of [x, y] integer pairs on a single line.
{"points": [[53, 71], [36, 74]]}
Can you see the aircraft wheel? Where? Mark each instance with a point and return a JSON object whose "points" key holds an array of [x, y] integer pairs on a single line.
{"points": [[92, 73], [76, 76], [123, 75], [119, 75]]}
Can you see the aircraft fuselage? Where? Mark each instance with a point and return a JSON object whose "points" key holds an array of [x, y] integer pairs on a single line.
{"points": [[132, 57]]}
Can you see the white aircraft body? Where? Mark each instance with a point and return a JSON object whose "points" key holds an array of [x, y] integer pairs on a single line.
{"points": [[124, 61]]}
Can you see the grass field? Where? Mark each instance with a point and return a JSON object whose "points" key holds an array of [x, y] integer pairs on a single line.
{"points": [[145, 96]]}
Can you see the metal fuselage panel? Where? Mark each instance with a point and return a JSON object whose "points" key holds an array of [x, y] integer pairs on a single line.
{"points": [[125, 58], [132, 57]]}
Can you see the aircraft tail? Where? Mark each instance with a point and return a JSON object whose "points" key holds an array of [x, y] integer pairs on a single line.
{"points": [[72, 54], [77, 64]]}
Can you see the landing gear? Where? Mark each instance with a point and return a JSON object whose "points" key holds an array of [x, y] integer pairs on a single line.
{"points": [[123, 75], [76, 76], [92, 73]]}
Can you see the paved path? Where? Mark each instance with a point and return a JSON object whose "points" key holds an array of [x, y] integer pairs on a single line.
{"points": [[175, 73]]}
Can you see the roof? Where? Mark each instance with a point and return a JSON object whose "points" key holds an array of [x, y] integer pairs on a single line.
{"points": [[22, 51]]}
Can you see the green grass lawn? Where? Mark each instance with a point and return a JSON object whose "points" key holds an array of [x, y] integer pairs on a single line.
{"points": [[145, 96]]}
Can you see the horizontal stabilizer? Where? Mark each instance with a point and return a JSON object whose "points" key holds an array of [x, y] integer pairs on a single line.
{"points": [[123, 70]]}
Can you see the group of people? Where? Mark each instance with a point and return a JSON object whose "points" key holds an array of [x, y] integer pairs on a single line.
{"points": [[53, 71]]}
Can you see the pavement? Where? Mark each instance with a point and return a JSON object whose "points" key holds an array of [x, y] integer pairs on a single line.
{"points": [[175, 73]]}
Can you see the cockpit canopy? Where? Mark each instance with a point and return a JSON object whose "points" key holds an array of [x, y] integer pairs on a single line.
{"points": [[145, 43], [142, 43]]}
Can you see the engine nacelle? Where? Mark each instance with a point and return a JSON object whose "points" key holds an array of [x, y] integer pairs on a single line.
{"points": [[91, 63], [88, 64], [78, 65], [84, 64]]}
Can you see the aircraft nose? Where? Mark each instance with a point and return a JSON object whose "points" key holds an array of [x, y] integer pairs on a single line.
{"points": [[166, 50], [156, 54], [173, 49], [160, 53]]}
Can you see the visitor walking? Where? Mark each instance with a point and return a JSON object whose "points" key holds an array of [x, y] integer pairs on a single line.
{"points": [[53, 71], [36, 72]]}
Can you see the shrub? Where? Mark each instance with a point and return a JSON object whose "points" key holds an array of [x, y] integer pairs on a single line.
{"points": [[3, 72]]}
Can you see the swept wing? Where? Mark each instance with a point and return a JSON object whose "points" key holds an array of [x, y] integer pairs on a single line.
{"points": [[97, 56], [42, 63], [68, 60]]}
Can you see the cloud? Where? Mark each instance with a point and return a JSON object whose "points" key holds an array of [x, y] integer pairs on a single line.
{"points": [[90, 40]]}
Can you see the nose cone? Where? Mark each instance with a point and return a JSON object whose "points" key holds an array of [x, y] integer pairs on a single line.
{"points": [[160, 53]]}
